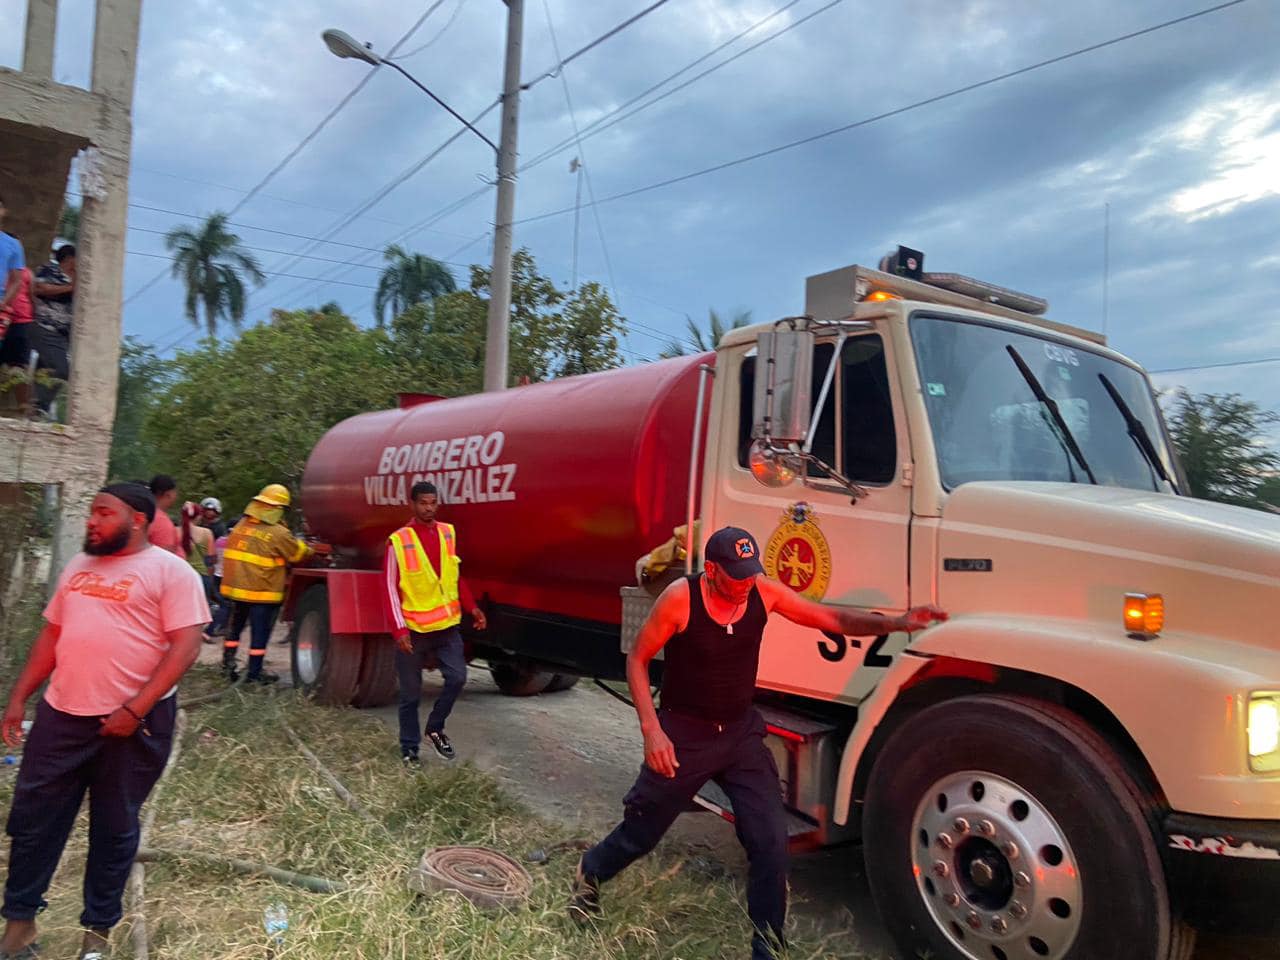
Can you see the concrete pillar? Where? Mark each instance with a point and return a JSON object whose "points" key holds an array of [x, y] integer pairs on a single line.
{"points": [[115, 48], [42, 25]]}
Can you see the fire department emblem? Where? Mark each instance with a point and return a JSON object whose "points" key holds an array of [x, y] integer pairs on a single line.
{"points": [[798, 553]]}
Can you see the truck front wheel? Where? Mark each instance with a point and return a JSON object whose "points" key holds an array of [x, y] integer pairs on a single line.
{"points": [[999, 827]]}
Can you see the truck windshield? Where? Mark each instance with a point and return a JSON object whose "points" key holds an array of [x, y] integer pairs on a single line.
{"points": [[988, 424]]}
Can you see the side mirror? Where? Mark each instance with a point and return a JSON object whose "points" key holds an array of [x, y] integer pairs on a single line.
{"points": [[784, 384]]}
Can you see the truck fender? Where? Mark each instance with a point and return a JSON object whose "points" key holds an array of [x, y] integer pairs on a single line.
{"points": [[1195, 752], [870, 712]]}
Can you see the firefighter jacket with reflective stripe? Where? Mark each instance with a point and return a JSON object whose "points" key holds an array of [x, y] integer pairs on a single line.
{"points": [[255, 561], [428, 600]]}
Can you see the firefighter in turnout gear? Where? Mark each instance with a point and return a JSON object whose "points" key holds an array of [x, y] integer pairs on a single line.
{"points": [[254, 565]]}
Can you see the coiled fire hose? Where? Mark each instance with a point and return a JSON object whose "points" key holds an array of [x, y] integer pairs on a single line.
{"points": [[489, 879]]}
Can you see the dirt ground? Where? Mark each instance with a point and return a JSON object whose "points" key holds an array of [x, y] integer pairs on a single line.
{"points": [[572, 755]]}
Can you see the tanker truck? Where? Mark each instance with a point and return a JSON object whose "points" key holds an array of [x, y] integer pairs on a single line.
{"points": [[1082, 763]]}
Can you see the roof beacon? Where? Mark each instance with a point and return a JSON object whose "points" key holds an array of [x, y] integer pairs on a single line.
{"points": [[909, 264]]}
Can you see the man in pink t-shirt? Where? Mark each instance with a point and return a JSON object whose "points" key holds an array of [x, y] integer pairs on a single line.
{"points": [[123, 626], [163, 531]]}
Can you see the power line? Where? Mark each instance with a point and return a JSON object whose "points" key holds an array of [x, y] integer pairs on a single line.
{"points": [[968, 88], [439, 33], [591, 193], [601, 123], [1217, 366], [302, 144], [165, 256], [561, 64], [387, 188]]}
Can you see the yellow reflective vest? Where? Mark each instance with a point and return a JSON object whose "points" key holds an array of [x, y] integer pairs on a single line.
{"points": [[429, 600], [256, 558]]}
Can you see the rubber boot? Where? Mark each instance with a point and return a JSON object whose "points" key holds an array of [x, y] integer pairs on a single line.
{"points": [[229, 666]]}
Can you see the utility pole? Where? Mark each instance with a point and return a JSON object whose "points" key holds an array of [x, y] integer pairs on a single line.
{"points": [[496, 346]]}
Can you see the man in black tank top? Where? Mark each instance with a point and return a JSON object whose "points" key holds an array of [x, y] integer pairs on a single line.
{"points": [[711, 625]]}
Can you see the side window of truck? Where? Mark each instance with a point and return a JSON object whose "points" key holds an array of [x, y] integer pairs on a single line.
{"points": [[861, 393], [870, 445]]}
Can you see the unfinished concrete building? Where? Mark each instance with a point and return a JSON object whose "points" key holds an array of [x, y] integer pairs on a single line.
{"points": [[43, 126]]}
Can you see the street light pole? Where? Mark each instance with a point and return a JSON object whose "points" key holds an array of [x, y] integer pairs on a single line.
{"points": [[496, 346]]}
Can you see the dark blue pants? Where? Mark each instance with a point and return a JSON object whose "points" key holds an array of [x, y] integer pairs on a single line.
{"points": [[445, 647], [736, 758], [65, 757], [219, 606], [261, 618]]}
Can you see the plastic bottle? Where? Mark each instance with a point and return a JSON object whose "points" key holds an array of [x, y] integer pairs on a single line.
{"points": [[276, 921]]}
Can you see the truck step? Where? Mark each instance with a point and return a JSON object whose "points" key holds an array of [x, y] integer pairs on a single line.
{"points": [[789, 726], [712, 798]]}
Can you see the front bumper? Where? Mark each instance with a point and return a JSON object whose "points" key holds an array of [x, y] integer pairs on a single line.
{"points": [[1224, 875]]}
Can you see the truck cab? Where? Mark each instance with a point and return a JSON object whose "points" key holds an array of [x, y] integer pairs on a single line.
{"points": [[1085, 760]]}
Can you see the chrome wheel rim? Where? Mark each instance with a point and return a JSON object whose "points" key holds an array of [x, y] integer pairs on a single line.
{"points": [[995, 870], [306, 650]]}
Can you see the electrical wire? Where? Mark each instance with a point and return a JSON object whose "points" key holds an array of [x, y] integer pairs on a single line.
{"points": [[591, 193], [303, 143], [561, 64], [439, 33], [603, 122], [1217, 366], [897, 111]]}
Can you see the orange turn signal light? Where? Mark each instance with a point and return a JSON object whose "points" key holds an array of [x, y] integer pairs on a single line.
{"points": [[879, 296], [1144, 613]]}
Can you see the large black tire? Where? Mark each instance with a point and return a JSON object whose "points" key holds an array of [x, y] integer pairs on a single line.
{"points": [[325, 666], [562, 681], [519, 681], [959, 782], [377, 685]]}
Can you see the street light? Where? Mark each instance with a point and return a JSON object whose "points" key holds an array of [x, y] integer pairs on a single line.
{"points": [[343, 45]]}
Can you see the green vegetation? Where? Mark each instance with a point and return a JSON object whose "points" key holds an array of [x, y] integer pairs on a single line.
{"points": [[241, 790]]}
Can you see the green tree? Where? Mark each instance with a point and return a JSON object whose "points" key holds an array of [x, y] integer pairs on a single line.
{"points": [[699, 342], [69, 223], [440, 345], [409, 279], [213, 266], [143, 378], [1221, 443], [237, 415]]}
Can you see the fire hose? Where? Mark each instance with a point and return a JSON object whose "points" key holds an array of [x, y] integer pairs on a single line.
{"points": [[489, 879]]}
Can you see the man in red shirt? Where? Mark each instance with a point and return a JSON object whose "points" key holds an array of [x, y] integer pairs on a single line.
{"points": [[163, 533], [121, 629], [440, 640]]}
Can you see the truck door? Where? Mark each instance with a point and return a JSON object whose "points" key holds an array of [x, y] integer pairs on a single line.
{"points": [[812, 537]]}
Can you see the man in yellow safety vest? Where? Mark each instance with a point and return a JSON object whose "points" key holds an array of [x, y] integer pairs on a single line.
{"points": [[254, 564], [426, 597]]}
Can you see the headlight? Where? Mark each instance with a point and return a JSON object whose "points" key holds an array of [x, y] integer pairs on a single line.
{"points": [[1264, 732]]}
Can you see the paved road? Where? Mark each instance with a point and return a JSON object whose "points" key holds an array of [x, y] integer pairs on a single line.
{"points": [[572, 756]]}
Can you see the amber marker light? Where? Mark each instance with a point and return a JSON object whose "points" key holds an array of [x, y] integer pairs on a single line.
{"points": [[879, 296], [1143, 614]]}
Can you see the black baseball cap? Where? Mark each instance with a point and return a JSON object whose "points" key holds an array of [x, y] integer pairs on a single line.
{"points": [[735, 552]]}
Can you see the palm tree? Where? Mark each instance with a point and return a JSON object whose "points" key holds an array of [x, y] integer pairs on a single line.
{"points": [[700, 343], [409, 279], [210, 261]]}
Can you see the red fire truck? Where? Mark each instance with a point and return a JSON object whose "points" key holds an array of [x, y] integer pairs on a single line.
{"points": [[1082, 764]]}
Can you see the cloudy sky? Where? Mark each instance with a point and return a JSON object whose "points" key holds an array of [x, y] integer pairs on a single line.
{"points": [[1177, 130]]}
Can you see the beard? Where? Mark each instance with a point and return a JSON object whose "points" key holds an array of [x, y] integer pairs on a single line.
{"points": [[107, 545]]}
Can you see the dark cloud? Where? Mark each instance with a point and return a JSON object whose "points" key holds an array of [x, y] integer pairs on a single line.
{"points": [[1007, 182]]}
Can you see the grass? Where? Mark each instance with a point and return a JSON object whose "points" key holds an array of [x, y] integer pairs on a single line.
{"points": [[240, 789]]}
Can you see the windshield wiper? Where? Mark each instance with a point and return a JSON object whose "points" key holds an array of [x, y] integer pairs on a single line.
{"points": [[1138, 432], [1051, 405]]}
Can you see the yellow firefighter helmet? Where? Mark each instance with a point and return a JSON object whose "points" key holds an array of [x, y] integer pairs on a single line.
{"points": [[276, 494]]}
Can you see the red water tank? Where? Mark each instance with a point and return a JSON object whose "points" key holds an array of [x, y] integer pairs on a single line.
{"points": [[555, 488]]}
